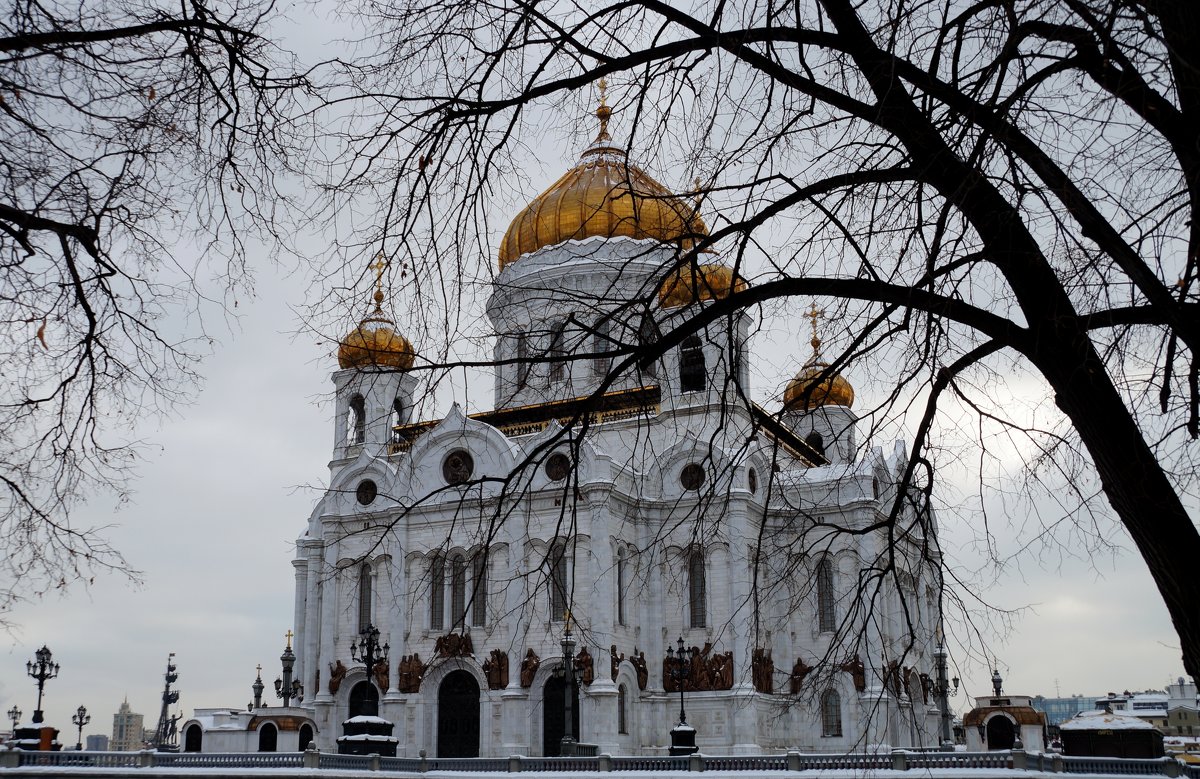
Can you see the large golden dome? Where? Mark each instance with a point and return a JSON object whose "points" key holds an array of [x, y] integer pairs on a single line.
{"points": [[603, 195], [691, 284], [832, 390], [375, 343]]}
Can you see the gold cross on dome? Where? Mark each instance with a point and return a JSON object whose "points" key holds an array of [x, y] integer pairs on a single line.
{"points": [[603, 112], [259, 669], [814, 314], [288, 635]]}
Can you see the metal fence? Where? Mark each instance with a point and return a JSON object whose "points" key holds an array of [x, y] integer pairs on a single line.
{"points": [[901, 760]]}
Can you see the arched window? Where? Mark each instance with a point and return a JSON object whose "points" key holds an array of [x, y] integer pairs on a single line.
{"points": [[692, 371], [600, 345], [696, 588], [816, 441], [479, 590], [358, 419], [622, 715], [458, 591], [522, 359], [621, 584], [268, 737], [557, 353], [831, 713], [437, 593], [648, 334], [826, 616], [193, 738], [306, 736], [397, 416], [558, 582], [364, 597]]}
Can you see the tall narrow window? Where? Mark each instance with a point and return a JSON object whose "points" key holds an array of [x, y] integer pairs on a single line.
{"points": [[696, 588], [692, 370], [621, 584], [358, 419], [557, 353], [458, 591], [558, 582], [826, 617], [522, 359], [831, 713], [397, 417], [437, 593], [600, 345], [648, 335], [622, 716], [364, 597], [479, 590]]}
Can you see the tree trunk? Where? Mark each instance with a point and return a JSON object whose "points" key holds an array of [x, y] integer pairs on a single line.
{"points": [[1133, 480]]}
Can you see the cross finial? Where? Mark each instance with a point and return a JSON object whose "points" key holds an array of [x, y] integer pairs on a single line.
{"points": [[288, 635], [379, 265], [814, 314], [603, 112], [258, 668]]}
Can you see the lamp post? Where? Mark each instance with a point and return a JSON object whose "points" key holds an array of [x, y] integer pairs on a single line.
{"points": [[80, 719], [568, 743], [14, 714], [942, 690], [41, 669], [366, 651], [997, 683], [679, 665], [288, 688]]}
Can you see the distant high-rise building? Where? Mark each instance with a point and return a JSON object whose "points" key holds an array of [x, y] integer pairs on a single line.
{"points": [[127, 735], [97, 742]]}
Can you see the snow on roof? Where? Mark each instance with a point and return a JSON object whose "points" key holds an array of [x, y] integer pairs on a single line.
{"points": [[1098, 719], [363, 718]]}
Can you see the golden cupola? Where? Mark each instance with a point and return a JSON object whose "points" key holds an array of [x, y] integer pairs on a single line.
{"points": [[603, 195], [815, 385], [375, 343]]}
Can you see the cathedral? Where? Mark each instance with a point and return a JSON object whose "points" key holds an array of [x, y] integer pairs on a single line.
{"points": [[625, 512]]}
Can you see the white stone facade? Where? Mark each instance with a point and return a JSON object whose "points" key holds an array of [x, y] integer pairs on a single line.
{"points": [[622, 537]]}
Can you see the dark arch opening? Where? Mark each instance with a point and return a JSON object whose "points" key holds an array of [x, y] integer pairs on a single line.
{"points": [[458, 716], [306, 736], [1000, 733], [268, 738], [554, 716], [193, 738], [364, 700]]}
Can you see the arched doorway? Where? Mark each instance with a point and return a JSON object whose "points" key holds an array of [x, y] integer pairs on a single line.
{"points": [[458, 716], [268, 737], [306, 736], [554, 701], [364, 700], [192, 738], [1000, 733]]}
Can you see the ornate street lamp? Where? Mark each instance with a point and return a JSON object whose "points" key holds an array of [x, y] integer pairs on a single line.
{"points": [[41, 669], [679, 666], [80, 719], [14, 714], [567, 746], [288, 688], [997, 683], [942, 690], [366, 651]]}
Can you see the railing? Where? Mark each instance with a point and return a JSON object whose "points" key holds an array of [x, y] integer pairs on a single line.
{"points": [[900, 760]]}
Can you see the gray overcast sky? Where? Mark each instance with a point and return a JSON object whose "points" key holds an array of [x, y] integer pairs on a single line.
{"points": [[229, 483]]}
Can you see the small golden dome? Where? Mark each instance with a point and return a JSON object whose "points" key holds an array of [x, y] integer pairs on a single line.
{"points": [[832, 390], [375, 342], [711, 282], [603, 195]]}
